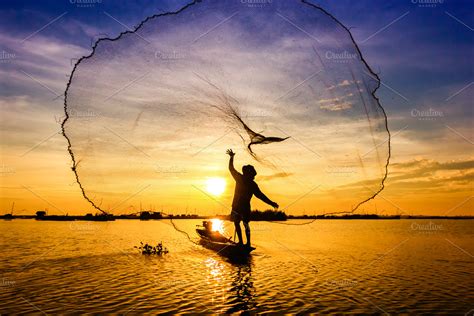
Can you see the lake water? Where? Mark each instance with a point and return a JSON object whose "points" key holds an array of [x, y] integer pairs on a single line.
{"points": [[329, 266]]}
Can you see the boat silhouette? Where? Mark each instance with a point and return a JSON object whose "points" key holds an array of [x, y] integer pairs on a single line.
{"points": [[223, 245]]}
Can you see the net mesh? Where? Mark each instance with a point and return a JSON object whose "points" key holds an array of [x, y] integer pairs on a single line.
{"points": [[151, 112]]}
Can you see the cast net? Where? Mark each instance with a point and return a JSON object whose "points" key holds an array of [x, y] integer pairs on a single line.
{"points": [[150, 114]]}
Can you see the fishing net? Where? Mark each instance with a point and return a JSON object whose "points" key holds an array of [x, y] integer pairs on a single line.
{"points": [[150, 113]]}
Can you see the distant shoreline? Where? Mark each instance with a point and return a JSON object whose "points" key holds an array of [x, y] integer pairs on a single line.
{"points": [[158, 216]]}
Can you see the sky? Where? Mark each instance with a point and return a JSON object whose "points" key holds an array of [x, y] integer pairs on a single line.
{"points": [[421, 52]]}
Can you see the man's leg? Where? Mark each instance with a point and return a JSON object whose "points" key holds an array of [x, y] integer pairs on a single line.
{"points": [[239, 231], [247, 232]]}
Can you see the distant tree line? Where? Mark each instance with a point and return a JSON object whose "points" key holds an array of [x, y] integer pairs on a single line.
{"points": [[268, 215]]}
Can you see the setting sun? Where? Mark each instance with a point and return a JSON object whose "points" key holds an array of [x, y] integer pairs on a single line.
{"points": [[215, 186]]}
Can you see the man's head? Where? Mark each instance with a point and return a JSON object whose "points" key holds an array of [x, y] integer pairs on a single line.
{"points": [[249, 172]]}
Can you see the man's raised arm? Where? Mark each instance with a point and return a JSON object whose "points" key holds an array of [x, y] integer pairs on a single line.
{"points": [[232, 170]]}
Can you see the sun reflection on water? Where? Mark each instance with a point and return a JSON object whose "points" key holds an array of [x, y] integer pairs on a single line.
{"points": [[217, 225], [216, 280]]}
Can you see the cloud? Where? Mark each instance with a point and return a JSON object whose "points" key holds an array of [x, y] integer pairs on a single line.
{"points": [[337, 106], [432, 165], [337, 103], [343, 83], [275, 176], [425, 175], [40, 66]]}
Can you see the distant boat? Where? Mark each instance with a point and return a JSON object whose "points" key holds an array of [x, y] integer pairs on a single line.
{"points": [[8, 216], [214, 240], [61, 218], [42, 216]]}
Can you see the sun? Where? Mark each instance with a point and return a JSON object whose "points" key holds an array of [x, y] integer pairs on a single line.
{"points": [[215, 186]]}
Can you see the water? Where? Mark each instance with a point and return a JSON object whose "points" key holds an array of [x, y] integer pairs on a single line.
{"points": [[329, 266]]}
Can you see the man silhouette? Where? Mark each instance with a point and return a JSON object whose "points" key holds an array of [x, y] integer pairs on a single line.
{"points": [[245, 188]]}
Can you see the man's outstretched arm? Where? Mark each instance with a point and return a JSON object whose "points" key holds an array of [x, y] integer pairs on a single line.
{"points": [[259, 194], [232, 170]]}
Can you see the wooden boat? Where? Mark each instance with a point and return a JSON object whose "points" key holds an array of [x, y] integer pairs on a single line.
{"points": [[214, 240]]}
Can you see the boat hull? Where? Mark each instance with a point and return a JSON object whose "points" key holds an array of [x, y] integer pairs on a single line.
{"points": [[227, 248]]}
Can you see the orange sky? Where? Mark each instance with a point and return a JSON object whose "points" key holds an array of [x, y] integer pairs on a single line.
{"points": [[42, 179], [431, 170]]}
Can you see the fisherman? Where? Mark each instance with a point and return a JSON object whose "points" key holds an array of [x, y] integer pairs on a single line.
{"points": [[245, 188]]}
